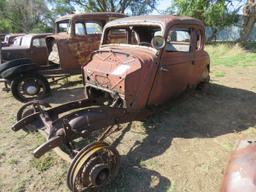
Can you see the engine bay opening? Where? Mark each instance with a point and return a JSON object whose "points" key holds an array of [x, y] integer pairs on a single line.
{"points": [[112, 99]]}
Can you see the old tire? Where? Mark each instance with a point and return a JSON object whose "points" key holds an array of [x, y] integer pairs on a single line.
{"points": [[27, 87]]}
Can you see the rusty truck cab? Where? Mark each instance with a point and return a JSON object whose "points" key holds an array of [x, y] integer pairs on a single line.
{"points": [[77, 35]]}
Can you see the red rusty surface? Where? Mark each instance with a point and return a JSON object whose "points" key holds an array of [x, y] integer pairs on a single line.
{"points": [[8, 39], [38, 55], [240, 174], [73, 49], [129, 72], [143, 76]]}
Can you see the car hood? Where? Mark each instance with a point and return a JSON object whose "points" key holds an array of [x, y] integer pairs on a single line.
{"points": [[126, 70]]}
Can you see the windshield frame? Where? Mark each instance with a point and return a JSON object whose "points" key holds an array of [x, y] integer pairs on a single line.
{"points": [[127, 25]]}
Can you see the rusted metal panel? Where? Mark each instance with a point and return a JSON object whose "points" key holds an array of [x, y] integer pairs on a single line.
{"points": [[240, 173], [8, 40], [38, 54], [118, 71], [161, 74], [74, 50]]}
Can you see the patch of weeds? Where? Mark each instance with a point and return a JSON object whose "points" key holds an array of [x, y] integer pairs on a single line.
{"points": [[11, 118], [20, 186], [228, 146], [2, 153], [43, 164], [1, 185], [12, 161], [205, 167], [148, 163], [230, 55], [219, 74], [172, 188]]}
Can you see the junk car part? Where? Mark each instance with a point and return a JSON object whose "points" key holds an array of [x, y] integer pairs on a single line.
{"points": [[240, 173]]}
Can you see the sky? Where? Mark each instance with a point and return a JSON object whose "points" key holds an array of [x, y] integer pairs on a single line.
{"points": [[164, 4]]}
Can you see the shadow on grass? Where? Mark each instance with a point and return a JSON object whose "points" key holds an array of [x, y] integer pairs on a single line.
{"points": [[220, 111], [65, 95]]}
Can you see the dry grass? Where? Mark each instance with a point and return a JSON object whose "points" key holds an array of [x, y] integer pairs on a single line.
{"points": [[185, 148]]}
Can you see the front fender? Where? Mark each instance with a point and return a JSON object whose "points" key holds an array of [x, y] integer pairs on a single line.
{"points": [[13, 72]]}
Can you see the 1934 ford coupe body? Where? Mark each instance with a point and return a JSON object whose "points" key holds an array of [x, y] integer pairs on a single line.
{"points": [[142, 63], [142, 75]]}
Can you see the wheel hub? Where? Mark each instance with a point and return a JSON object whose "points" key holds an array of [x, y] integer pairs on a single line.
{"points": [[31, 89], [94, 166], [99, 174]]}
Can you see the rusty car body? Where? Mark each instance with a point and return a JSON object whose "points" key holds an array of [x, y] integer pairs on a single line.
{"points": [[76, 36], [240, 173], [30, 67], [142, 62], [9, 39], [30, 46]]}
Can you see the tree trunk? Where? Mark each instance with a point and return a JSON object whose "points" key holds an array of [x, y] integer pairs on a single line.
{"points": [[249, 19]]}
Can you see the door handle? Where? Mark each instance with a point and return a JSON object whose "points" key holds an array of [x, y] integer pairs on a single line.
{"points": [[193, 62], [163, 69]]}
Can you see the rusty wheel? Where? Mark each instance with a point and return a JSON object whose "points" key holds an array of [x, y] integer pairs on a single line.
{"points": [[94, 166], [28, 87]]}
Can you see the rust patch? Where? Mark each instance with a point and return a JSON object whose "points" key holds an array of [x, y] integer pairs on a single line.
{"points": [[240, 174]]}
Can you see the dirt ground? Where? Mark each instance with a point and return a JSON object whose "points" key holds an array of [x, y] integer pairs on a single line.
{"points": [[182, 149]]}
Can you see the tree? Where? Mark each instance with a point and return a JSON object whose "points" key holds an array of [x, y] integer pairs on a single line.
{"points": [[60, 7], [24, 16], [133, 7], [216, 14], [249, 19]]}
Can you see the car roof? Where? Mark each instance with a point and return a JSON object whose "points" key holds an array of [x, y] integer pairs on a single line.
{"points": [[86, 15], [163, 20], [37, 34]]}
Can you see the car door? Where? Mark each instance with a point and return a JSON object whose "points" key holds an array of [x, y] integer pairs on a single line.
{"points": [[201, 57], [175, 65], [38, 50], [86, 39]]}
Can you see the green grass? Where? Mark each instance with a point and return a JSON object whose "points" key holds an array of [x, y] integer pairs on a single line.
{"points": [[20, 186], [44, 163], [219, 74], [230, 55]]}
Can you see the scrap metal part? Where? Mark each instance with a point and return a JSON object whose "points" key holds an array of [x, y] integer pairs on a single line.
{"points": [[240, 173], [65, 129], [94, 166]]}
